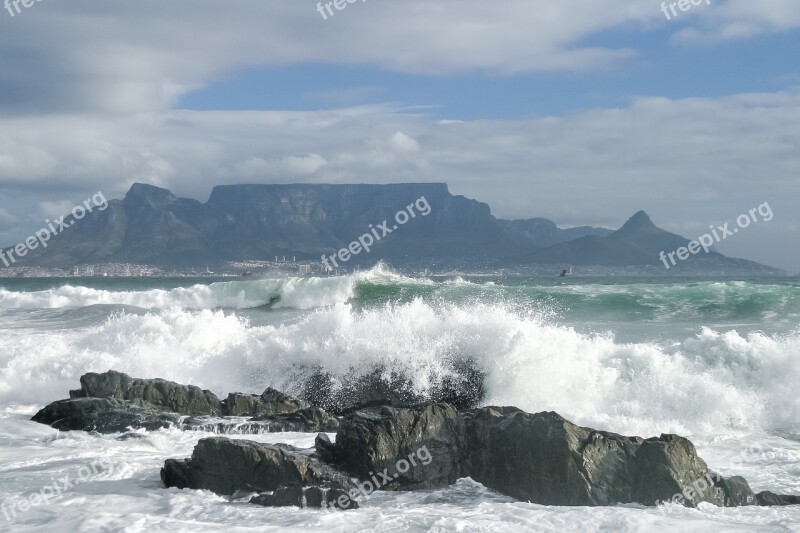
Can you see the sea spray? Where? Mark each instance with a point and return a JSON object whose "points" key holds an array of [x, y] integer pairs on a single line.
{"points": [[711, 381]]}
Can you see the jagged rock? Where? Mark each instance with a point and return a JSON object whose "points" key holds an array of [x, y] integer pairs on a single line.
{"points": [[226, 466], [103, 415], [542, 458], [546, 459], [173, 397], [269, 403], [325, 449], [156, 403], [430, 440]]}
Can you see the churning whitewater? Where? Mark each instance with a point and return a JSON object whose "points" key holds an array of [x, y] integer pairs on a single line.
{"points": [[713, 361]]}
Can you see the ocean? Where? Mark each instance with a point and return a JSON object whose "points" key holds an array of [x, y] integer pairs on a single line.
{"points": [[715, 360]]}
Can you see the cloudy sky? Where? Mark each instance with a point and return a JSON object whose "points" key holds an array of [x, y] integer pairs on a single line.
{"points": [[582, 111]]}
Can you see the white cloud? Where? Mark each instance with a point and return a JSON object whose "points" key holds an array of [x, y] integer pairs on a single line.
{"points": [[690, 159], [144, 55], [679, 151], [114, 70], [740, 19], [141, 56]]}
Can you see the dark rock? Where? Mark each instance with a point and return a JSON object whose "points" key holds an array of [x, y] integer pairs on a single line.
{"points": [[429, 440], [183, 399], [664, 466], [737, 491], [770, 498], [104, 415], [311, 420], [340, 499], [226, 466], [284, 496], [310, 497], [546, 459], [177, 473], [541, 458], [269, 403], [155, 403], [314, 497], [326, 450]]}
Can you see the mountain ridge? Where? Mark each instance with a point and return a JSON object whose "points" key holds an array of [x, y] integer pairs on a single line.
{"points": [[151, 225]]}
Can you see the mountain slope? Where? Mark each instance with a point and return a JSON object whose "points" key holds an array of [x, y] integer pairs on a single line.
{"points": [[258, 222], [542, 232], [239, 222], [639, 242]]}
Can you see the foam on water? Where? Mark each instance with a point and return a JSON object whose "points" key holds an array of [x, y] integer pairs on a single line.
{"points": [[732, 392], [710, 382], [128, 496], [289, 292]]}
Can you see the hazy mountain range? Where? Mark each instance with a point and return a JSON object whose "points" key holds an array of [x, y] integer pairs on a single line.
{"points": [[258, 222]]}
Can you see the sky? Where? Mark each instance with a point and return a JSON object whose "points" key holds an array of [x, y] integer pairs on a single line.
{"points": [[581, 111]]}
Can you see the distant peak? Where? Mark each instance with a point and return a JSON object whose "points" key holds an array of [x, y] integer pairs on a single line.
{"points": [[637, 221], [142, 192]]}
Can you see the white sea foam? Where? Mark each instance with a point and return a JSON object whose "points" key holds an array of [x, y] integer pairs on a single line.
{"points": [[289, 292], [709, 382], [725, 390]]}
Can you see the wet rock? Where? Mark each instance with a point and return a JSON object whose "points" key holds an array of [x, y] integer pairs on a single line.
{"points": [[325, 449], [311, 420], [284, 496], [543, 458], [429, 441], [770, 498], [169, 396], [227, 466], [340, 499], [269, 403], [309, 497], [114, 402], [737, 491], [103, 415], [314, 497]]}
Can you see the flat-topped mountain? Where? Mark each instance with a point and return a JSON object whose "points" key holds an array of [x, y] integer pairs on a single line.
{"points": [[258, 222]]}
